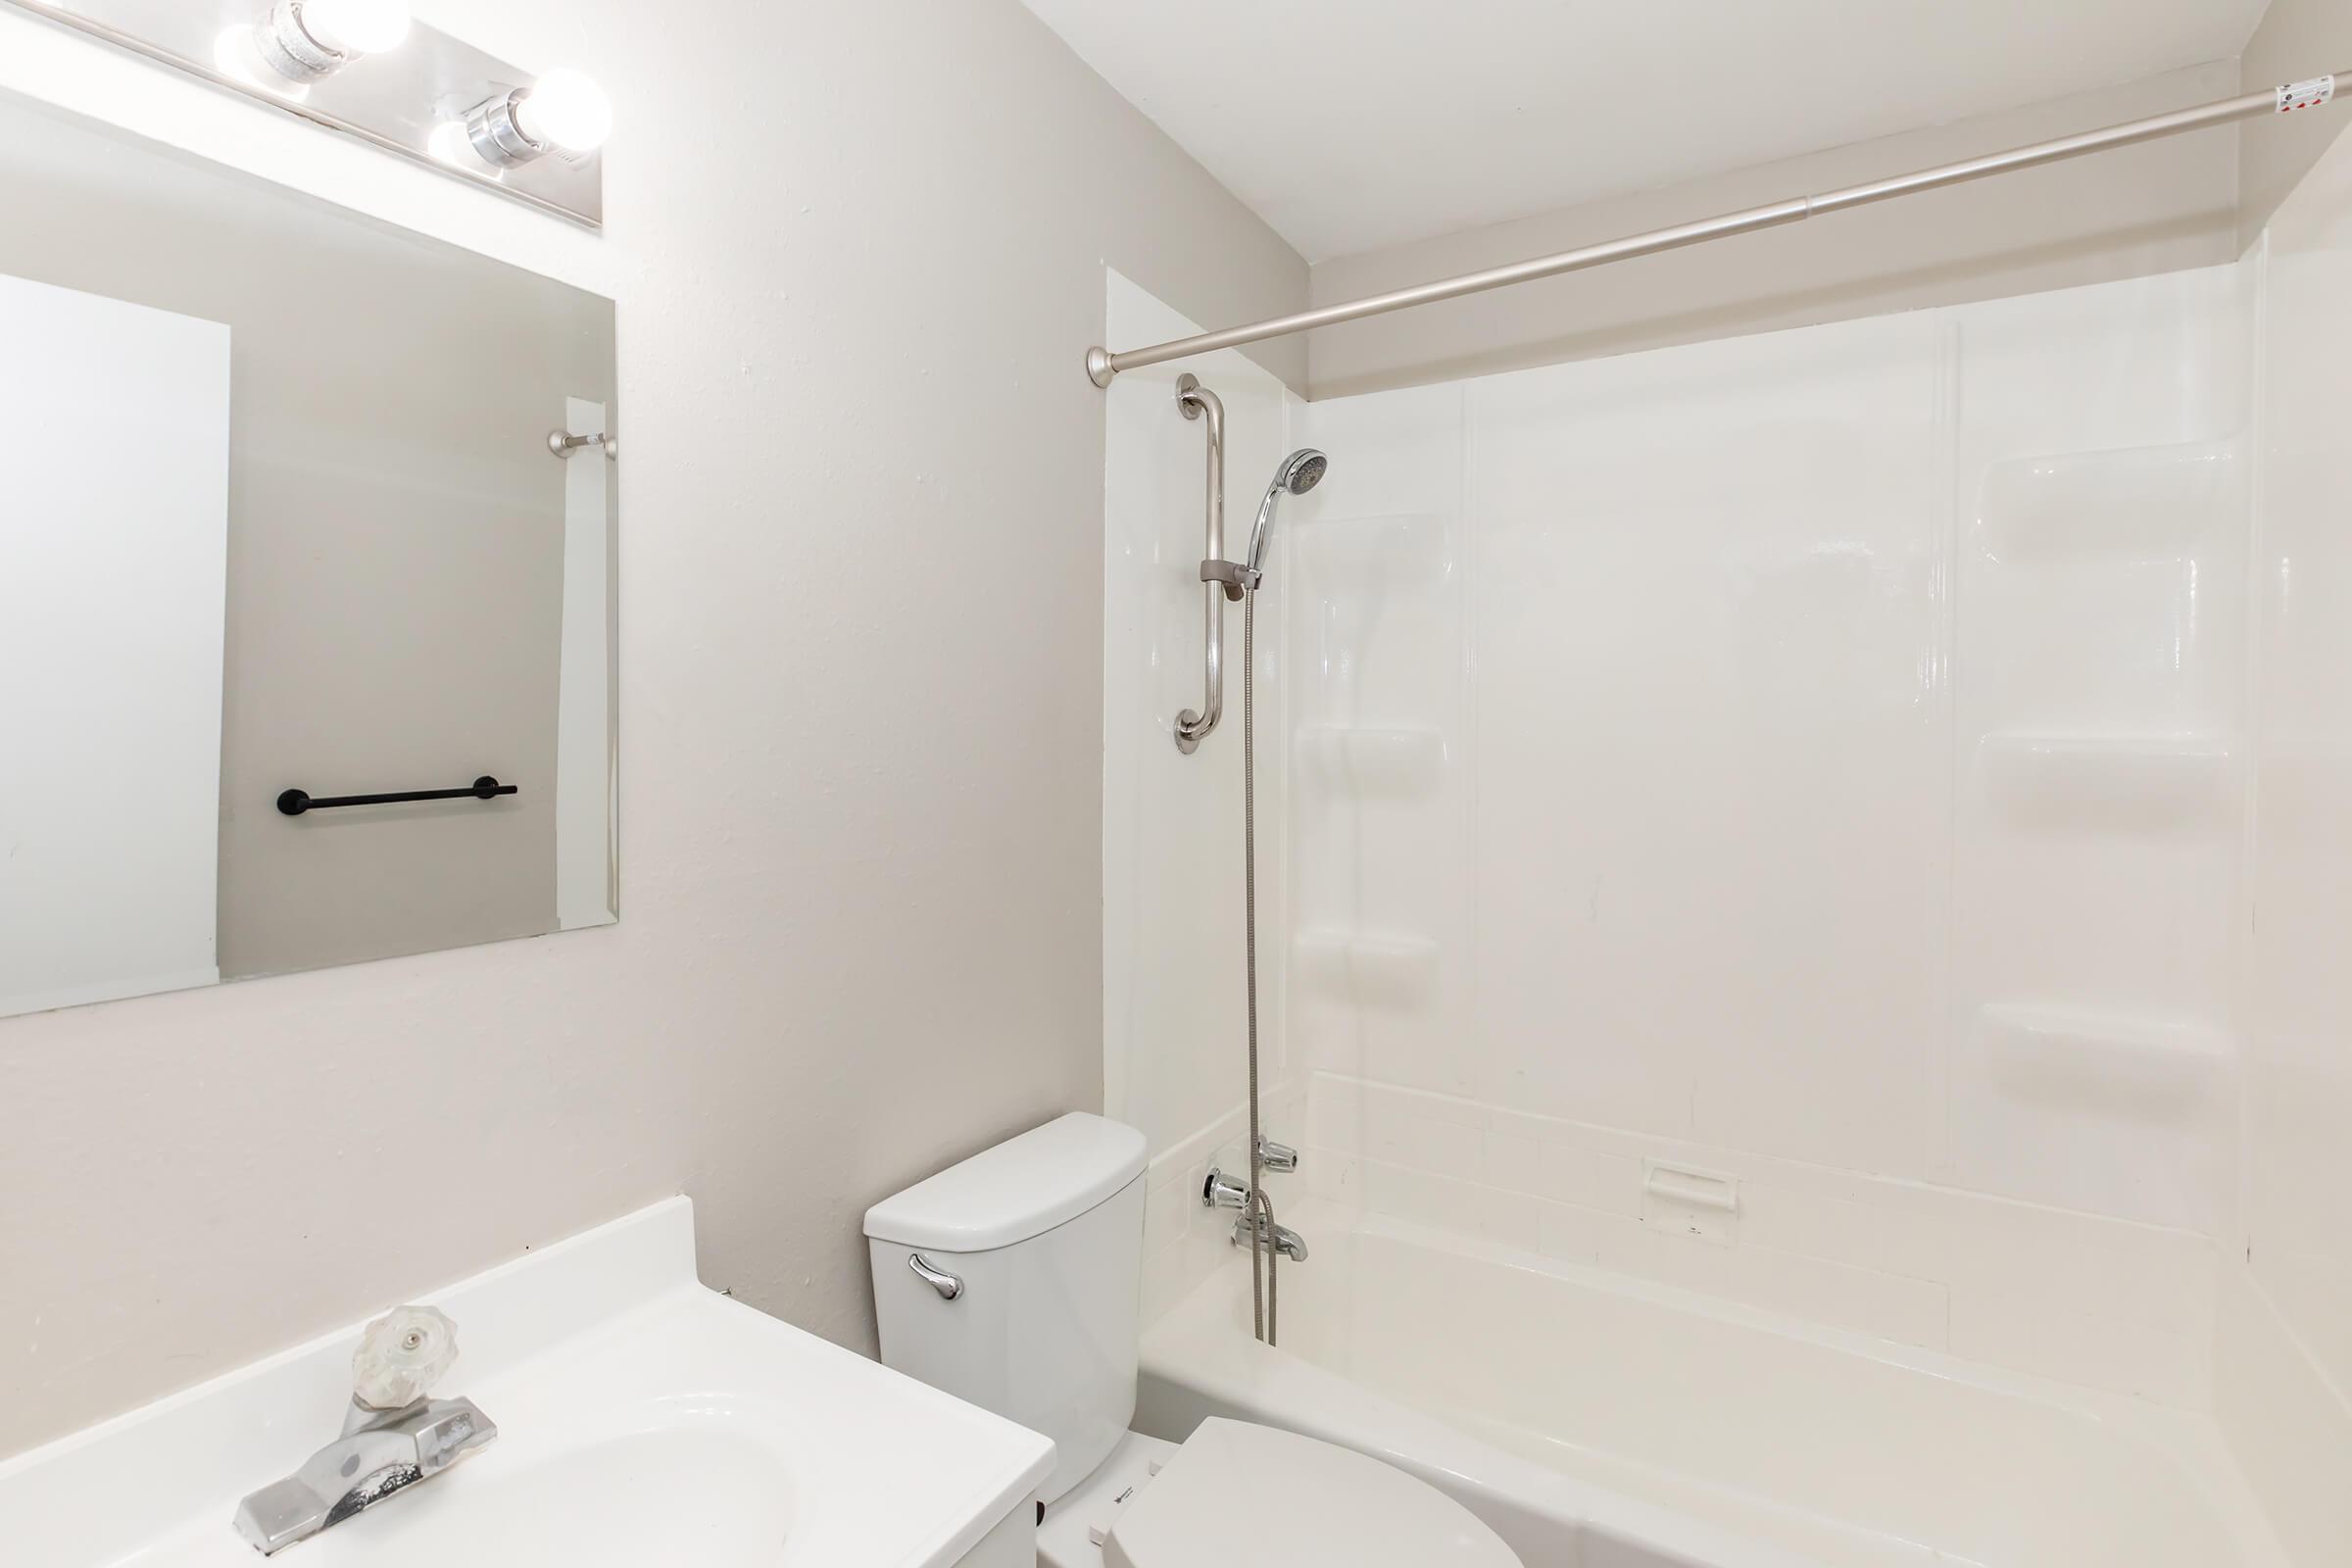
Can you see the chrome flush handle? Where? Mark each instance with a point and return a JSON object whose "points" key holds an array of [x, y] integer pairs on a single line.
{"points": [[946, 1284]]}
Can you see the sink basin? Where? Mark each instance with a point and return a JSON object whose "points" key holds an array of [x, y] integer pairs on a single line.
{"points": [[642, 1420], [726, 1498]]}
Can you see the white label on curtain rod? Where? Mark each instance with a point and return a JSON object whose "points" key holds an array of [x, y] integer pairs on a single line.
{"points": [[2306, 94]]}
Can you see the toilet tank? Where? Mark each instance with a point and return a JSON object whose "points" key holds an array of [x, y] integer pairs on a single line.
{"points": [[1046, 1234]]}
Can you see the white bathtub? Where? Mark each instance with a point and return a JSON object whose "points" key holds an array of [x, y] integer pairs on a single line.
{"points": [[1601, 1422]]}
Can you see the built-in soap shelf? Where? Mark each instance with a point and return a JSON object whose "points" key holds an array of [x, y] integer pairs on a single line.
{"points": [[2111, 781], [1413, 549], [1367, 968], [1365, 763], [2154, 1069], [2139, 506]]}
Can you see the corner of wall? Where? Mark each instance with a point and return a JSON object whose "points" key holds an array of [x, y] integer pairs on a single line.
{"points": [[2297, 40], [2287, 1425]]}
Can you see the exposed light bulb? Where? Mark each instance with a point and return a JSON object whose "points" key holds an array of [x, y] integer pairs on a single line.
{"points": [[562, 112], [357, 26], [565, 109], [448, 143]]}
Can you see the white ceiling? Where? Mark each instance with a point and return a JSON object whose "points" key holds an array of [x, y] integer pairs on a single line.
{"points": [[1354, 125]]}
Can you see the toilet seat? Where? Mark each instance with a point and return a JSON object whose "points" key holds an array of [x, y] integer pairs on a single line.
{"points": [[1237, 1495]]}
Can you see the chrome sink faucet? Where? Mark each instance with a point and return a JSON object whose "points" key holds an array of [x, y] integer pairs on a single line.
{"points": [[393, 1436]]}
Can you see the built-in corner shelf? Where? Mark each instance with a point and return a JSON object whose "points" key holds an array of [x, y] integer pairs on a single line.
{"points": [[1372, 763], [2112, 781], [1373, 970], [2139, 506], [2152, 1069], [1412, 548]]}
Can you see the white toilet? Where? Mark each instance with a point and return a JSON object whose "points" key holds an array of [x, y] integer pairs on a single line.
{"points": [[1012, 1280]]}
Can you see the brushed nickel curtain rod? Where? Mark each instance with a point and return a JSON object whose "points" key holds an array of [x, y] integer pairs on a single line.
{"points": [[1103, 366]]}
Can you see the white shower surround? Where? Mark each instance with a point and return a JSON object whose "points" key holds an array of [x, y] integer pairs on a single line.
{"points": [[1173, 1023], [1823, 762], [1811, 760]]}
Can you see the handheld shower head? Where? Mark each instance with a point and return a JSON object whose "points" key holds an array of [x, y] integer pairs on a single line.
{"points": [[1303, 470], [1300, 473]]}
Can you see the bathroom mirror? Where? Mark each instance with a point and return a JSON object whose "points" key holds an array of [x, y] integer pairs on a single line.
{"points": [[282, 524]]}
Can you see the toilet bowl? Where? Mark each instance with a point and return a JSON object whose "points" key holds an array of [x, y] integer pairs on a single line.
{"points": [[1012, 1280]]}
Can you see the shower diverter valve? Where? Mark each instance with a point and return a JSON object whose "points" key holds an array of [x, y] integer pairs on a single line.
{"points": [[402, 1354]]}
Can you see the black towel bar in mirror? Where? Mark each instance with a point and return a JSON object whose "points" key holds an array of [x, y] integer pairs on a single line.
{"points": [[296, 802]]}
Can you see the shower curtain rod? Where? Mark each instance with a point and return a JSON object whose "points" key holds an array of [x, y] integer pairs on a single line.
{"points": [[1103, 366]]}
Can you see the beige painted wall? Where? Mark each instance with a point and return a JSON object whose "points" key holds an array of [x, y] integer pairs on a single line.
{"points": [[2149, 209], [2297, 38], [859, 253]]}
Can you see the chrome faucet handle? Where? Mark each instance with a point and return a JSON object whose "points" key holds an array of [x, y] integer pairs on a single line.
{"points": [[401, 1356], [1277, 1158], [1221, 1191]]}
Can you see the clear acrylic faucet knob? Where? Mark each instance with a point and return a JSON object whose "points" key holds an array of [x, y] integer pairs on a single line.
{"points": [[401, 1356]]}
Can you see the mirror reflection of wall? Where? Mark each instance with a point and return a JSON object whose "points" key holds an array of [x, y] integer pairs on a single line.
{"points": [[278, 510]]}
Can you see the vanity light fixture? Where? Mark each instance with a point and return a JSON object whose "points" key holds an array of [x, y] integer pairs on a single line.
{"points": [[366, 68], [562, 112], [310, 40]]}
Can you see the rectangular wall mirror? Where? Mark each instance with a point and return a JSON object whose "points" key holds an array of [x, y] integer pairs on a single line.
{"points": [[279, 513]]}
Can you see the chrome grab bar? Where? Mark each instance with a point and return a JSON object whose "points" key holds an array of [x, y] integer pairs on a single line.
{"points": [[1191, 728]]}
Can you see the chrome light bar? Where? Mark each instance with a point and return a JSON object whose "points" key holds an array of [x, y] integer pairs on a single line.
{"points": [[414, 99]]}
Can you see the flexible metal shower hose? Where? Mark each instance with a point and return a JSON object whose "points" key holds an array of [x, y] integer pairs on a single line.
{"points": [[1263, 1257]]}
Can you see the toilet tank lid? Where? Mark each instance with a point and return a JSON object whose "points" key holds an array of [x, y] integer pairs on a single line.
{"points": [[1020, 1189]]}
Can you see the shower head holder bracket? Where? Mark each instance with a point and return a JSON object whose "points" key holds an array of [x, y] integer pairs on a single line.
{"points": [[1237, 579]]}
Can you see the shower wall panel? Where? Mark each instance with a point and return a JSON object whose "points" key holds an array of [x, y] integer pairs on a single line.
{"points": [[2101, 637], [1174, 1030], [1810, 762], [1711, 742], [2286, 1393]]}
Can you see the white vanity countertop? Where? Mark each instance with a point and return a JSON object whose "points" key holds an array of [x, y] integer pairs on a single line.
{"points": [[641, 1419]]}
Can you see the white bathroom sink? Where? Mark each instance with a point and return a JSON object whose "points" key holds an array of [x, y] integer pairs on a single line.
{"points": [[642, 1420], [724, 1496]]}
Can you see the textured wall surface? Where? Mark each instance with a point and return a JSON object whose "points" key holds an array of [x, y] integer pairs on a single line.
{"points": [[859, 254]]}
